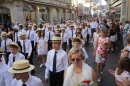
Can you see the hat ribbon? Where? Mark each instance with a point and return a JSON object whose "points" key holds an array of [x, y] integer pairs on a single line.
{"points": [[22, 68]]}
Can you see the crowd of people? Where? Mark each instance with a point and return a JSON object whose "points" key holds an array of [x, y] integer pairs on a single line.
{"points": [[61, 47]]}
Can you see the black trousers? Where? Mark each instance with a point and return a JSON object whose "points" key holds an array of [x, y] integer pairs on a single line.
{"points": [[64, 44], [19, 46], [70, 43], [49, 45], [7, 57], [30, 59], [56, 79], [87, 38]]}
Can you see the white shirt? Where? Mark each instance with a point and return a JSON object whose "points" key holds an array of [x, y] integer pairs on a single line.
{"points": [[70, 34], [28, 46], [84, 33], [61, 61], [16, 37], [64, 37], [35, 38], [51, 35], [42, 43], [17, 26], [32, 81], [88, 31], [94, 24], [30, 35], [18, 56], [84, 52], [8, 41], [5, 77]]}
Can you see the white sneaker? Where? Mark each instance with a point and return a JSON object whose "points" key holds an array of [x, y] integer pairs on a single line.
{"points": [[41, 65]]}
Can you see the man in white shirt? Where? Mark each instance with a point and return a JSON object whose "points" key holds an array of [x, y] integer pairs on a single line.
{"points": [[26, 49], [71, 33], [49, 36], [5, 77], [21, 70], [15, 55], [17, 25], [56, 63], [4, 45], [64, 37]]}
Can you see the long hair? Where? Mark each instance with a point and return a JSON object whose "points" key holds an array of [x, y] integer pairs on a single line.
{"points": [[113, 27], [123, 65], [39, 34]]}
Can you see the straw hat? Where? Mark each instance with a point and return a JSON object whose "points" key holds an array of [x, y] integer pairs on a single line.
{"points": [[3, 34], [21, 66], [70, 25], [62, 28], [22, 34], [49, 26], [56, 39], [39, 29], [1, 51], [20, 24], [14, 44], [15, 28], [29, 25]]}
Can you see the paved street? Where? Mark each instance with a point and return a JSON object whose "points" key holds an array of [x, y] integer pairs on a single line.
{"points": [[108, 80]]}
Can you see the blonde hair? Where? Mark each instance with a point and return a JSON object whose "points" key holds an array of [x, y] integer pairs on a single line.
{"points": [[74, 51]]}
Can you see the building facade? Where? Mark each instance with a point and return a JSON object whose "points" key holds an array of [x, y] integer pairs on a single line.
{"points": [[36, 10], [119, 9]]}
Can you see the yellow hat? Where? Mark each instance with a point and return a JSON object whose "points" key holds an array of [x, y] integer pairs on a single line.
{"points": [[21, 66]]}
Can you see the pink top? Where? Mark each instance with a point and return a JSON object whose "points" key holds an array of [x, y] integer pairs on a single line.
{"points": [[120, 77]]}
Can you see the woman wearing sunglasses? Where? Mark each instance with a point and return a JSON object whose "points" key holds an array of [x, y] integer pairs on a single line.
{"points": [[78, 70]]}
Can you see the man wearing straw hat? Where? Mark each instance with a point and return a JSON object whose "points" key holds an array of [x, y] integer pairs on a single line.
{"points": [[56, 63], [15, 55], [26, 48], [49, 36], [4, 44], [21, 69], [5, 77]]}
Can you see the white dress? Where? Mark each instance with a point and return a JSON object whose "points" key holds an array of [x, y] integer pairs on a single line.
{"points": [[95, 37], [42, 46]]}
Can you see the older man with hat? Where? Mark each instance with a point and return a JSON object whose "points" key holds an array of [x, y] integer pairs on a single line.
{"points": [[4, 44], [5, 77], [21, 69], [56, 63], [15, 55]]}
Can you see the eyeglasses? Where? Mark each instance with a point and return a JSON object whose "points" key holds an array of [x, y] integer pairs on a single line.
{"points": [[75, 59]]}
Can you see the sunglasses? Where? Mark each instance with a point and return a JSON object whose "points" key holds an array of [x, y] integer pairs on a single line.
{"points": [[75, 59]]}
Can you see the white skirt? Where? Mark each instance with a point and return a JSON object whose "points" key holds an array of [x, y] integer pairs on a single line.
{"points": [[113, 38], [41, 52]]}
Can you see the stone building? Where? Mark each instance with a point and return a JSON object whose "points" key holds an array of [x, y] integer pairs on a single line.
{"points": [[36, 10]]}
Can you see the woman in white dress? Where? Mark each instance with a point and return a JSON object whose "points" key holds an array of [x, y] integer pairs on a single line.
{"points": [[42, 47], [95, 37], [78, 70]]}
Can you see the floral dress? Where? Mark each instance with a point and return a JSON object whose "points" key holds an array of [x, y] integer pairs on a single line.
{"points": [[102, 52]]}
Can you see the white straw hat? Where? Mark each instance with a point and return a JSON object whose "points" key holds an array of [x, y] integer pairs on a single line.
{"points": [[21, 66]]}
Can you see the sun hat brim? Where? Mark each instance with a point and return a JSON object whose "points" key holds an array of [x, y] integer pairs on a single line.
{"points": [[14, 45], [12, 70], [55, 41]]}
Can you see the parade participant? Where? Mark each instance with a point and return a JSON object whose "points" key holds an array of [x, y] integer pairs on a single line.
{"points": [[15, 55], [49, 36], [16, 34], [56, 65], [78, 70], [77, 42], [17, 25], [22, 30], [71, 33], [26, 49], [84, 33], [64, 37], [79, 35], [5, 77], [101, 52], [21, 69], [42, 45], [4, 45], [11, 33], [95, 37], [88, 29]]}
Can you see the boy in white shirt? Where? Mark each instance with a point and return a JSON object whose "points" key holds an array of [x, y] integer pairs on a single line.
{"points": [[15, 55]]}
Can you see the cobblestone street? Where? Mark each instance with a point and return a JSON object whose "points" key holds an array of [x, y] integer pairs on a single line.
{"points": [[108, 80]]}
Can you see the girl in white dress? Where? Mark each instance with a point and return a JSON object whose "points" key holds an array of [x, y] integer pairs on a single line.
{"points": [[95, 37], [42, 47]]}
